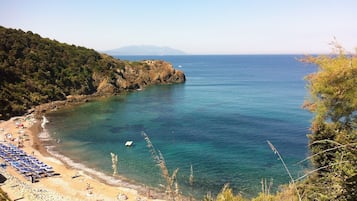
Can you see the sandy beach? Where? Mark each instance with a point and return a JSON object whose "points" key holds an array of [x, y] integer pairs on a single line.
{"points": [[68, 184]]}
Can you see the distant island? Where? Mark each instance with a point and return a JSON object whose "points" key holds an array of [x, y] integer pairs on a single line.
{"points": [[144, 50]]}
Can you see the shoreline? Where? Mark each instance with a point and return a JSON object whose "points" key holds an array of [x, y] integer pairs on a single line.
{"points": [[116, 181], [46, 145], [73, 183]]}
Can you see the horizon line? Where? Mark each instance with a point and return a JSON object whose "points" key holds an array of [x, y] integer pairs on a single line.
{"points": [[222, 54]]}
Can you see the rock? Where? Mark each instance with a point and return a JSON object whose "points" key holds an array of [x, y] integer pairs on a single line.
{"points": [[138, 75]]}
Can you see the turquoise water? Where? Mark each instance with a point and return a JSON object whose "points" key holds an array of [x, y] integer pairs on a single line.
{"points": [[218, 122]]}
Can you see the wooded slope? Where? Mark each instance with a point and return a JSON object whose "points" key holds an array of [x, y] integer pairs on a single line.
{"points": [[36, 70]]}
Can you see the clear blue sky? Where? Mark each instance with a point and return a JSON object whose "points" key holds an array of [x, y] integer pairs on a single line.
{"points": [[194, 26]]}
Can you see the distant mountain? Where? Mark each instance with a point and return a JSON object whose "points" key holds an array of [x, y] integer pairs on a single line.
{"points": [[145, 50]]}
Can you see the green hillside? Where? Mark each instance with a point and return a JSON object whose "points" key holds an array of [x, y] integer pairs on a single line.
{"points": [[36, 70]]}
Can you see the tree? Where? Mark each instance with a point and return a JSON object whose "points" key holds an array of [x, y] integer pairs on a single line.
{"points": [[333, 137]]}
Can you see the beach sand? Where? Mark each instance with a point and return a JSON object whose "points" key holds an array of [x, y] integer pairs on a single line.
{"points": [[70, 184]]}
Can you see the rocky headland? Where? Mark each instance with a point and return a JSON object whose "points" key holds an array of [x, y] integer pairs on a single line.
{"points": [[138, 75], [41, 72]]}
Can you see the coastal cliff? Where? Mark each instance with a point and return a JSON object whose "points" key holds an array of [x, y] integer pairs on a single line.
{"points": [[36, 70], [136, 76]]}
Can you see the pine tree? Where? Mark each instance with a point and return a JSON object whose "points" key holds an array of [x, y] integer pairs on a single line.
{"points": [[333, 137]]}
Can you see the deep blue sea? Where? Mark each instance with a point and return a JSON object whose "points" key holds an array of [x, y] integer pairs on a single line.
{"points": [[218, 122]]}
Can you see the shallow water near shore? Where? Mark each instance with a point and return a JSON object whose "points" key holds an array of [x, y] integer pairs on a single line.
{"points": [[218, 122]]}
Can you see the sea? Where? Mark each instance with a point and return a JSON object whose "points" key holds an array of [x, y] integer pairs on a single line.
{"points": [[218, 122]]}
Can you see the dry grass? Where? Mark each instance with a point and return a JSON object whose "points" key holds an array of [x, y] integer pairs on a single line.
{"points": [[172, 187], [288, 193], [265, 187], [114, 163], [286, 168]]}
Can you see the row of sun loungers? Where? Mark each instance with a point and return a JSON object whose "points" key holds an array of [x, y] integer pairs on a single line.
{"points": [[28, 166]]}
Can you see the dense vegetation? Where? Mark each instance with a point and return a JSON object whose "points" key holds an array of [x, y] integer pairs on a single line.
{"points": [[333, 138], [36, 70]]}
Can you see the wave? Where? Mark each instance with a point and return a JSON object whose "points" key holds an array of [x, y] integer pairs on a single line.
{"points": [[44, 122]]}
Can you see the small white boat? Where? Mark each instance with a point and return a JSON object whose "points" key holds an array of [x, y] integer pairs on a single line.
{"points": [[129, 143]]}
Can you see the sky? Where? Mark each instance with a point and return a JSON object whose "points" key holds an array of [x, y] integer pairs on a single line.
{"points": [[193, 26]]}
